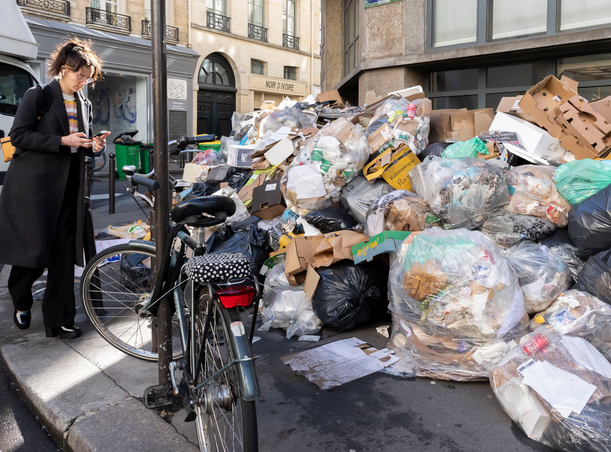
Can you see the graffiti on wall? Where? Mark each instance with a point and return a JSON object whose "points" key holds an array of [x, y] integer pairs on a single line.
{"points": [[100, 101], [125, 106]]}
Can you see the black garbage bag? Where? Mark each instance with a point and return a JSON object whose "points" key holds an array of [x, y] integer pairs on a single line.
{"points": [[349, 295], [590, 223], [595, 277], [435, 149], [331, 219], [244, 239], [135, 271]]}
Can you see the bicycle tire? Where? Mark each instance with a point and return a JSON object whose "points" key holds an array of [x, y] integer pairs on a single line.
{"points": [[97, 167], [208, 409], [110, 303]]}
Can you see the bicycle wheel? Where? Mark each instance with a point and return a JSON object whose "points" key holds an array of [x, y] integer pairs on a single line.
{"points": [[225, 422], [115, 283]]}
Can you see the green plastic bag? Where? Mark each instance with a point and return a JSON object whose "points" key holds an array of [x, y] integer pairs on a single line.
{"points": [[580, 179], [465, 149]]}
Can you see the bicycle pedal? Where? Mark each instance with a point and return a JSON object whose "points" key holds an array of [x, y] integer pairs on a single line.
{"points": [[159, 396]]}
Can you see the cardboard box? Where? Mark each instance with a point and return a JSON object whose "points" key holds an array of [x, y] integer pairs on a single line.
{"points": [[267, 200], [318, 251], [440, 124], [541, 102], [536, 141], [603, 106], [469, 124], [511, 106], [331, 95], [246, 192], [239, 156], [384, 242]]}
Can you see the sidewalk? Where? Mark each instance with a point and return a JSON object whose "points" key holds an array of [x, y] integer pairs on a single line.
{"points": [[85, 392]]}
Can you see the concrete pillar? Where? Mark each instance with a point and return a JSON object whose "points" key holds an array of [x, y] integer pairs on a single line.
{"points": [[332, 62], [376, 84]]}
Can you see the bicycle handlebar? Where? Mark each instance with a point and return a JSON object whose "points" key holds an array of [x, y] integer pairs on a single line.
{"points": [[148, 183]]}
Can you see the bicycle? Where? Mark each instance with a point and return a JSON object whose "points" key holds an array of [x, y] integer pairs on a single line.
{"points": [[218, 385]]}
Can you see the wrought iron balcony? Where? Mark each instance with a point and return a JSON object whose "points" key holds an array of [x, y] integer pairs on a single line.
{"points": [[171, 33], [257, 32], [217, 21], [109, 19], [52, 6], [292, 42]]}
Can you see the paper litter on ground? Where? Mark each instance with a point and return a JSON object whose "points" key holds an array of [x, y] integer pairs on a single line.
{"points": [[340, 362]]}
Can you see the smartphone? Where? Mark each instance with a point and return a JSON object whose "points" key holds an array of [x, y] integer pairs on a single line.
{"points": [[103, 132]]}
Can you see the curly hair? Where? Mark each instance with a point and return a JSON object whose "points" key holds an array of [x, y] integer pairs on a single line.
{"points": [[74, 54]]}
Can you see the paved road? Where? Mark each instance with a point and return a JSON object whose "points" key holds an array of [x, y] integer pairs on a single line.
{"points": [[20, 431]]}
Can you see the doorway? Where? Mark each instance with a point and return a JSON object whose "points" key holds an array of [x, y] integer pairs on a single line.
{"points": [[216, 96]]}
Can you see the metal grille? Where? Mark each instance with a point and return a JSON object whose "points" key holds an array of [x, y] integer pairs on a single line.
{"points": [[292, 42], [217, 21], [54, 6], [257, 32], [171, 33], [105, 18]]}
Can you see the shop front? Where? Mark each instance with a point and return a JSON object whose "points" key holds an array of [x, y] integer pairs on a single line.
{"points": [[274, 89], [122, 99]]}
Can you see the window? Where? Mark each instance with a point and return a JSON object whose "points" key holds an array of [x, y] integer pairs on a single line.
{"points": [[213, 73], [290, 73], [289, 16], [584, 13], [593, 72], [14, 82], [454, 22], [352, 54], [456, 80], [513, 18], [147, 9], [523, 74], [256, 12], [112, 6], [257, 67], [217, 6]]}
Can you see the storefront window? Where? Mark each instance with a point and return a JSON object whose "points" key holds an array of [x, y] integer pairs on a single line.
{"points": [[456, 80], [584, 13], [514, 18], [586, 68], [526, 74], [454, 22], [469, 102]]}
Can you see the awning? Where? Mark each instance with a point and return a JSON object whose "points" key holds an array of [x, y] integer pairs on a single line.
{"points": [[16, 39]]}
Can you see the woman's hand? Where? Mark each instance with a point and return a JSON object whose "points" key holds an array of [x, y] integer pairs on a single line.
{"points": [[76, 140], [100, 142]]}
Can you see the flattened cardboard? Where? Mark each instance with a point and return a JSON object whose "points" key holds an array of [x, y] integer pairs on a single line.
{"points": [[511, 106], [385, 242], [267, 200], [471, 123], [603, 106], [331, 95], [257, 179], [193, 171]]}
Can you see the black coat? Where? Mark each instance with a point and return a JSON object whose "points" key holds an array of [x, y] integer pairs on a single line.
{"points": [[36, 179]]}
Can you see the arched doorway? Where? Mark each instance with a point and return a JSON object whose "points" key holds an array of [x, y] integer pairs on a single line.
{"points": [[216, 96]]}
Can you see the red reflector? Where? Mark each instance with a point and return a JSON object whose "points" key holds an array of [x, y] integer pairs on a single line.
{"points": [[236, 296]]}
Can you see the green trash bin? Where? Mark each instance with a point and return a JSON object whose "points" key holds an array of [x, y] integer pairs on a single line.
{"points": [[144, 167], [126, 152]]}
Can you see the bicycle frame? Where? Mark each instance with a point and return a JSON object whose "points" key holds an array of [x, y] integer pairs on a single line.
{"points": [[168, 279]]}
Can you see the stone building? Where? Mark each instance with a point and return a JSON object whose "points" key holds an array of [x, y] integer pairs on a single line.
{"points": [[223, 56], [464, 53]]}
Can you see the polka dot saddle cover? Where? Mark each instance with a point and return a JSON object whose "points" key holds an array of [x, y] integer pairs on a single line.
{"points": [[217, 267]]}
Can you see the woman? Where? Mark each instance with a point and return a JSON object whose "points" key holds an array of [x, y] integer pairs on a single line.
{"points": [[42, 205]]}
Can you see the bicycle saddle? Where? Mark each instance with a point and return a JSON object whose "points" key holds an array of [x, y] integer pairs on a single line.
{"points": [[204, 212]]}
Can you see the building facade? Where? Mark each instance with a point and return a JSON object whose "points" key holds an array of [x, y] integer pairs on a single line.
{"points": [[464, 53], [252, 51], [120, 31]]}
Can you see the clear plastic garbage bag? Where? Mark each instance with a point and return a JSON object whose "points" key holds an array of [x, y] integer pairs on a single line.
{"points": [[508, 229]]}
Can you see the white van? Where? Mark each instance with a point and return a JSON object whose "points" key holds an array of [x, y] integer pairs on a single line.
{"points": [[17, 45]]}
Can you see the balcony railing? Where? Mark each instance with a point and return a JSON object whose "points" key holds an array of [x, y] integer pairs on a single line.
{"points": [[257, 32], [292, 42], [53, 6], [109, 19], [171, 33], [217, 21]]}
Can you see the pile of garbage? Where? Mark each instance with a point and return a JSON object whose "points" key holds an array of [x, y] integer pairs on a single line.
{"points": [[485, 236]]}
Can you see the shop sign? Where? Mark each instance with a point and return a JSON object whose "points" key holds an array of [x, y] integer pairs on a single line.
{"points": [[370, 3], [277, 85], [174, 104]]}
